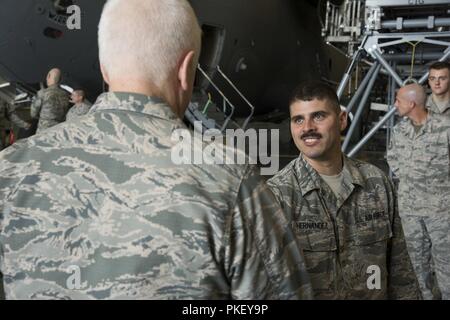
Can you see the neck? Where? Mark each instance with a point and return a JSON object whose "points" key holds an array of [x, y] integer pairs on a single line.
{"points": [[445, 97], [328, 167], [146, 88], [135, 86], [419, 115]]}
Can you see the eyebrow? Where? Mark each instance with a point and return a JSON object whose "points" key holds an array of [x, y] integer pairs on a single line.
{"points": [[315, 113], [295, 118]]}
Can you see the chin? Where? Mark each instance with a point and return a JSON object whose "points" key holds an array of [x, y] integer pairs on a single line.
{"points": [[312, 155]]}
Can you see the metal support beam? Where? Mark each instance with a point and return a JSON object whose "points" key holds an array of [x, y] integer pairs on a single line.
{"points": [[377, 54], [361, 88], [415, 23], [406, 57], [390, 124], [372, 132], [361, 107], [348, 72]]}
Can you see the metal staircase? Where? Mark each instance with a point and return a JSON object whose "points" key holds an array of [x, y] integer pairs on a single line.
{"points": [[204, 109]]}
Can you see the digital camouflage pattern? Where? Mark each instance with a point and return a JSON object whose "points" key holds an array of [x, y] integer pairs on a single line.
{"points": [[8, 112], [437, 109], [422, 164], [78, 110], [100, 193], [50, 106], [428, 242], [341, 252]]}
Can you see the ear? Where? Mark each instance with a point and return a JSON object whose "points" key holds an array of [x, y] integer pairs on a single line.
{"points": [[104, 74], [185, 70], [343, 120]]}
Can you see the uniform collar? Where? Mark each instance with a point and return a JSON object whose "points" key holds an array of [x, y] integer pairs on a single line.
{"points": [[427, 127], [80, 104], [134, 102], [309, 179], [441, 109]]}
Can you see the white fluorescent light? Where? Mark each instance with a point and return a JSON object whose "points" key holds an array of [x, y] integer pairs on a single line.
{"points": [[67, 88]]}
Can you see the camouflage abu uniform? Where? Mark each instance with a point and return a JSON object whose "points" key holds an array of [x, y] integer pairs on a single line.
{"points": [[101, 194], [50, 106], [78, 110], [342, 238], [437, 109], [421, 162], [7, 112]]}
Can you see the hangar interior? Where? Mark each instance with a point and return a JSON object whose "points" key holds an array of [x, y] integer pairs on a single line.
{"points": [[251, 59]]}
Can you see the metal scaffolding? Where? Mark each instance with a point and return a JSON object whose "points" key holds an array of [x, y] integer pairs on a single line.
{"points": [[374, 46], [395, 43]]}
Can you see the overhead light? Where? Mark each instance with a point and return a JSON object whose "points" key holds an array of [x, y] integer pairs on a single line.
{"points": [[67, 88], [4, 85], [21, 96]]}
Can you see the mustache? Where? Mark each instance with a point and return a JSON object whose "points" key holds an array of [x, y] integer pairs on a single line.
{"points": [[310, 135]]}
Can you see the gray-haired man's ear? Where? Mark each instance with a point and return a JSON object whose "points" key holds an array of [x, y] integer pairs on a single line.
{"points": [[185, 70], [104, 74]]}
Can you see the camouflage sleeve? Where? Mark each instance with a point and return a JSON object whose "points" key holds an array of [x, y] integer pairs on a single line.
{"points": [[402, 281], [273, 267], [391, 156], [36, 106], [2, 290], [277, 194], [14, 118]]}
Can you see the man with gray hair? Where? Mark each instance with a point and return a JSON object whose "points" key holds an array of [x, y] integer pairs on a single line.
{"points": [[51, 104], [418, 154], [96, 208]]}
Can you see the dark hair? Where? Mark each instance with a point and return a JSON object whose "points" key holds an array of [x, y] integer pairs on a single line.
{"points": [[81, 92], [310, 90], [440, 65]]}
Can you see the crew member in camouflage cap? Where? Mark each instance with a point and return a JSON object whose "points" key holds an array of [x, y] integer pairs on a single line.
{"points": [[439, 80], [344, 210], [418, 155], [51, 104], [96, 207]]}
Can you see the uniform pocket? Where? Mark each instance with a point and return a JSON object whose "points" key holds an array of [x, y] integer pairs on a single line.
{"points": [[375, 228], [315, 235], [437, 159], [364, 249], [319, 248]]}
